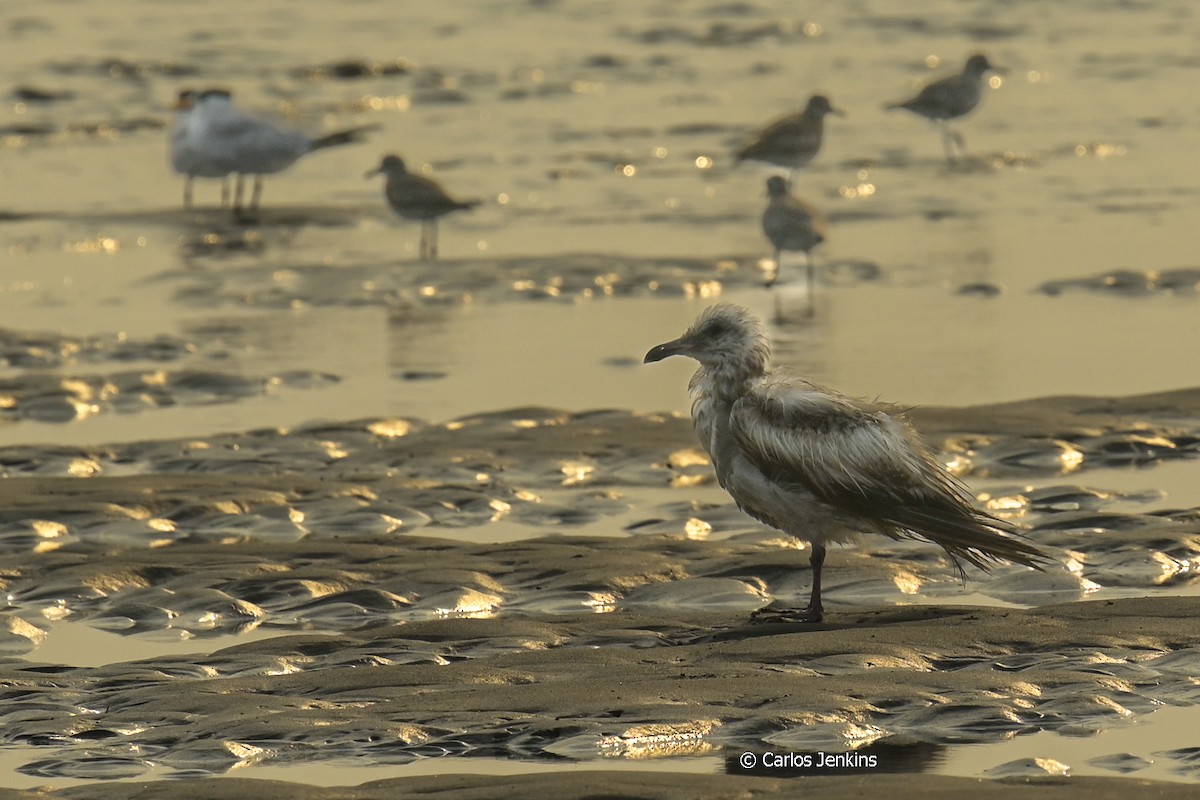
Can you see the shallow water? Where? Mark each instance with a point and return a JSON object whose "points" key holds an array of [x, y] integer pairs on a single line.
{"points": [[142, 342]]}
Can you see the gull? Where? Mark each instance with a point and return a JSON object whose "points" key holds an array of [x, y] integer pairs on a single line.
{"points": [[795, 226], [951, 98], [414, 196], [792, 141], [252, 146], [821, 466], [186, 158]]}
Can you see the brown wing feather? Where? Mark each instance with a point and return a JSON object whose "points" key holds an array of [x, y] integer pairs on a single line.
{"points": [[862, 461]]}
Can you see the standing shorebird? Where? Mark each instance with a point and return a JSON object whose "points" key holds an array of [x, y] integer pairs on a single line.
{"points": [[186, 158], [792, 141], [819, 465], [417, 197], [250, 146], [951, 98], [791, 225]]}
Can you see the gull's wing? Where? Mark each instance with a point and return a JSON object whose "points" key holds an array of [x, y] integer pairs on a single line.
{"points": [[862, 460]]}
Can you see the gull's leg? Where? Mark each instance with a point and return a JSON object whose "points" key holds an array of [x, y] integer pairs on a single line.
{"points": [[433, 236], [423, 247], [238, 191], [224, 191], [814, 611]]}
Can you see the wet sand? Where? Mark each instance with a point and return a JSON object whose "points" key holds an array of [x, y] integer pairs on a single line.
{"points": [[641, 686], [642, 785], [397, 640]]}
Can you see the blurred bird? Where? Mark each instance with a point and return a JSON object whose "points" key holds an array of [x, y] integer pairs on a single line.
{"points": [[250, 146], [792, 141], [950, 98], [186, 158], [819, 465], [417, 197], [795, 226]]}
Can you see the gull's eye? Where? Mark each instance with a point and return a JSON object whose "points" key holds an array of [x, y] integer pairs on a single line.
{"points": [[716, 328]]}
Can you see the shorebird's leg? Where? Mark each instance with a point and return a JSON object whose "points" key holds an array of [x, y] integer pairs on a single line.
{"points": [[433, 237], [237, 194], [960, 141], [256, 196], [814, 611], [773, 276], [224, 191], [423, 247], [187, 192], [780, 318], [947, 140], [810, 286]]}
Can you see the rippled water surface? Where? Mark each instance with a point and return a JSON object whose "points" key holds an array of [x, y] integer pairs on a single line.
{"points": [[242, 456]]}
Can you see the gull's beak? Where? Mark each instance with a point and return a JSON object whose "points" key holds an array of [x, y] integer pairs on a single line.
{"points": [[666, 350], [838, 112], [371, 173]]}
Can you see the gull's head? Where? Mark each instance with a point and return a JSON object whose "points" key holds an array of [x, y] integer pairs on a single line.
{"points": [[391, 165], [724, 337], [819, 104]]}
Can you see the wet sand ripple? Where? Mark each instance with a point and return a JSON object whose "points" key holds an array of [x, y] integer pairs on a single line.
{"points": [[542, 687]]}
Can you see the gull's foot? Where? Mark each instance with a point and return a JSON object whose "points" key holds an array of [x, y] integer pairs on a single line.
{"points": [[771, 615]]}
